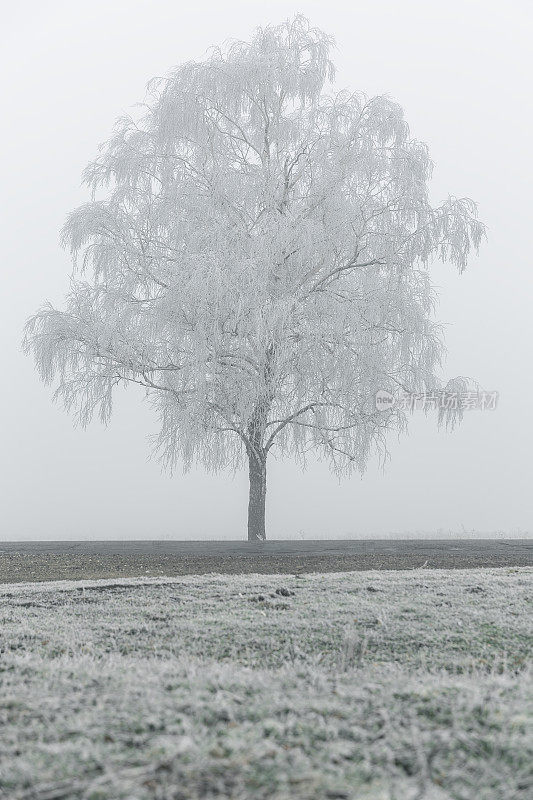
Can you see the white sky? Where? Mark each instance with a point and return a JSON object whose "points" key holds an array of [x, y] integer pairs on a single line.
{"points": [[462, 71]]}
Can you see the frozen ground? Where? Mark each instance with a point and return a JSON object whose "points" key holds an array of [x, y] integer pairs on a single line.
{"points": [[363, 685]]}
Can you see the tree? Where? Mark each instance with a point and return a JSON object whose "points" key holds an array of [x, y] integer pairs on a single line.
{"points": [[258, 261]]}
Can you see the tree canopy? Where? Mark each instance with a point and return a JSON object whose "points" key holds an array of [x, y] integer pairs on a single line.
{"points": [[256, 254]]}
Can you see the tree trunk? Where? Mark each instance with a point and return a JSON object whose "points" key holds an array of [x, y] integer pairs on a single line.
{"points": [[256, 502]]}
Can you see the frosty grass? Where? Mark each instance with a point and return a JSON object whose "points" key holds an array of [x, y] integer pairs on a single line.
{"points": [[370, 685]]}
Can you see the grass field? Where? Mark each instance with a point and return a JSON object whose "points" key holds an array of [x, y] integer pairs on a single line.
{"points": [[363, 685]]}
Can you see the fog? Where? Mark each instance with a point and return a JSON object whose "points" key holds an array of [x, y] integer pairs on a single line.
{"points": [[462, 72]]}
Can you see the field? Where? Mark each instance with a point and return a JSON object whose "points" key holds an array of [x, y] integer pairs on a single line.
{"points": [[96, 560], [364, 685]]}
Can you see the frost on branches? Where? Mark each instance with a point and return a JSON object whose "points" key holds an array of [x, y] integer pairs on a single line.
{"points": [[255, 256]]}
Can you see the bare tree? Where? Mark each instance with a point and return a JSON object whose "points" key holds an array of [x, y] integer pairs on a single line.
{"points": [[257, 260]]}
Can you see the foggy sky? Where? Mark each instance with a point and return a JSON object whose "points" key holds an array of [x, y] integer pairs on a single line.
{"points": [[462, 71]]}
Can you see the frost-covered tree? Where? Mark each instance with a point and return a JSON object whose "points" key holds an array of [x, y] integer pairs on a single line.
{"points": [[255, 256]]}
